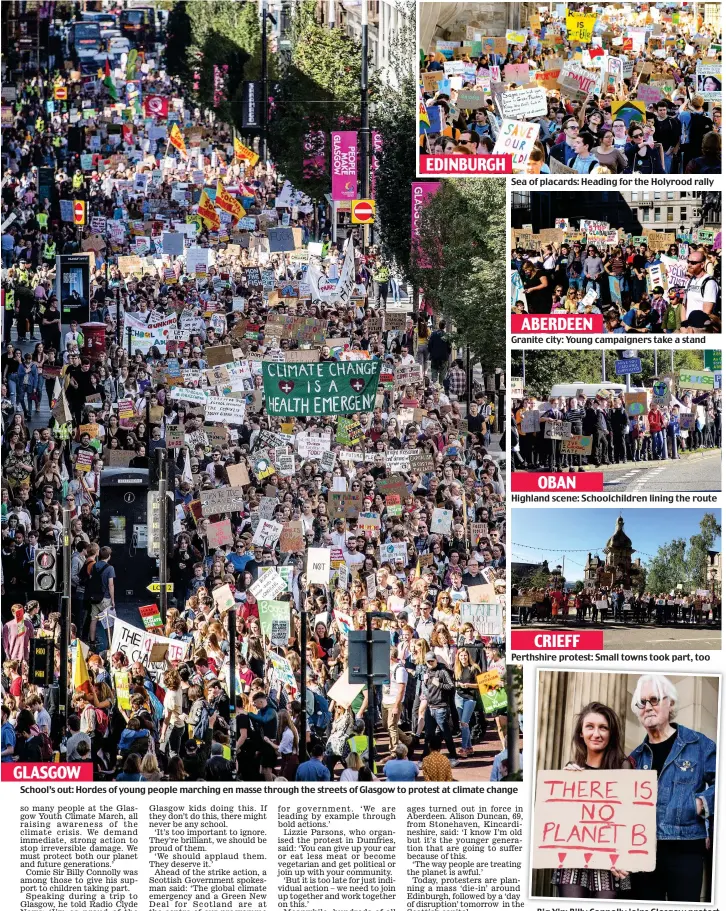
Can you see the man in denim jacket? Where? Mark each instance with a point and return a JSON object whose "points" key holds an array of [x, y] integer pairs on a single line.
{"points": [[686, 765]]}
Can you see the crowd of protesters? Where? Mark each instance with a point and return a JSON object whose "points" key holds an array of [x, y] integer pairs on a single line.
{"points": [[617, 604], [688, 422], [136, 721], [653, 113], [614, 281]]}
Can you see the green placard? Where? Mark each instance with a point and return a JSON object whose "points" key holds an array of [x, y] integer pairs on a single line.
{"points": [[712, 359], [309, 389]]}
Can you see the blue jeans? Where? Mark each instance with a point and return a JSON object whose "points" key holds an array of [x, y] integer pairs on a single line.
{"points": [[465, 708]]}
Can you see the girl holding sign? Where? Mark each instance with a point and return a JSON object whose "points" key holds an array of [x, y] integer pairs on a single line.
{"points": [[597, 743]]}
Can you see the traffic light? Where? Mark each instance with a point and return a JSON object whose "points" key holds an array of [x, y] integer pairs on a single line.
{"points": [[47, 572], [41, 664]]}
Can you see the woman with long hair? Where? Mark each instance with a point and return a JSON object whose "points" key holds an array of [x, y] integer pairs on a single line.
{"points": [[597, 743], [465, 672]]}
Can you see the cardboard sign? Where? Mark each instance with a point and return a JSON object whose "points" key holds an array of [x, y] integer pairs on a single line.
{"points": [[238, 475], [219, 354], [268, 586], [524, 103], [344, 505], [599, 820], [318, 565], [557, 430], [292, 538], [636, 403], [220, 500], [516, 138], [577, 445], [219, 534]]}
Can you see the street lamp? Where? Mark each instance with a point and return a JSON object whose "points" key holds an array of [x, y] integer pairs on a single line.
{"points": [[263, 139]]}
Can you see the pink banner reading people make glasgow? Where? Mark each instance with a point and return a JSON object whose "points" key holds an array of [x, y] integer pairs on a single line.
{"points": [[344, 160]]}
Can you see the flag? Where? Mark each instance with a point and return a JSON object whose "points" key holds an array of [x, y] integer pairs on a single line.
{"points": [[423, 114], [227, 203], [177, 140], [187, 472], [81, 680], [60, 411], [207, 212], [242, 153], [109, 83]]}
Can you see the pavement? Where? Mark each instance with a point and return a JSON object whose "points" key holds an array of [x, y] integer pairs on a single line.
{"points": [[636, 636], [698, 472]]}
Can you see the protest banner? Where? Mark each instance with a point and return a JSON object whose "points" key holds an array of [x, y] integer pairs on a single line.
{"points": [[267, 533], [524, 103], [219, 500], [151, 616], [318, 565], [441, 520], [268, 585], [487, 619], [344, 505], [137, 645], [275, 620], [292, 537], [577, 445], [696, 379], [530, 421], [636, 403], [219, 534], [599, 819], [516, 138], [557, 430], [575, 80], [393, 551], [339, 387], [226, 409]]}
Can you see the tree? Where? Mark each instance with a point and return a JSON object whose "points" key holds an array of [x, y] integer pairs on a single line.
{"points": [[395, 121], [463, 231], [677, 563], [204, 38], [318, 92]]}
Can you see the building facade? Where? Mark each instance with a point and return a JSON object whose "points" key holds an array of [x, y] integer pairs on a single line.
{"points": [[618, 568]]}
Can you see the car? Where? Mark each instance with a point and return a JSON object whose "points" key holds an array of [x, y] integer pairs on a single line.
{"points": [[119, 45]]}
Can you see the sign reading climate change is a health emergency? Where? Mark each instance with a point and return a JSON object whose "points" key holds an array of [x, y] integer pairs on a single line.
{"points": [[337, 387]]}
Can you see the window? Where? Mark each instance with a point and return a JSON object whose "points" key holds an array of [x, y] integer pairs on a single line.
{"points": [[684, 217], [656, 196], [669, 195], [657, 214], [669, 213]]}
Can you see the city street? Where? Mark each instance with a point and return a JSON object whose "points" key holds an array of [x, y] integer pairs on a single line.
{"points": [[696, 473]]}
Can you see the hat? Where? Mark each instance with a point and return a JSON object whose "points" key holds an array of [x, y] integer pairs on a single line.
{"points": [[430, 656]]}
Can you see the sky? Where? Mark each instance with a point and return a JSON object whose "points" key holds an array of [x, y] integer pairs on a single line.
{"points": [[554, 531]]}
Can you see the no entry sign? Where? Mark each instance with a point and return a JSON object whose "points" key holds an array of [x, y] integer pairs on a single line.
{"points": [[79, 212], [362, 211]]}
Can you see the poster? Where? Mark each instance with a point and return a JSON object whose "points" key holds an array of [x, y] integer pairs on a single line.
{"points": [[73, 278], [307, 389], [595, 819]]}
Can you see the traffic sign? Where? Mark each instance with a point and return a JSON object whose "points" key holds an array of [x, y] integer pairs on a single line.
{"points": [[79, 212], [626, 365], [60, 93], [363, 211], [156, 587]]}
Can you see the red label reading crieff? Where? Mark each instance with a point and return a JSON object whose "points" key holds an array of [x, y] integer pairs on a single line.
{"points": [[557, 640], [466, 164], [557, 322], [47, 771], [576, 481]]}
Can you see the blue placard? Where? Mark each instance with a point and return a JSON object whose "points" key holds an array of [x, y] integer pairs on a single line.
{"points": [[628, 365]]}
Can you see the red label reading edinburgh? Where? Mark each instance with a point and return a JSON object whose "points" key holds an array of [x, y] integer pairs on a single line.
{"points": [[466, 164], [47, 771], [576, 481], [557, 640], [556, 322]]}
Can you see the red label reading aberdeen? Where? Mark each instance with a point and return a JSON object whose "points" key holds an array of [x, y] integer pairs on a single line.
{"points": [[555, 322], [577, 481], [47, 771], [557, 640], [466, 164]]}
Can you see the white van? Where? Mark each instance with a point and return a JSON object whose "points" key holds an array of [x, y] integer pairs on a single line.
{"points": [[589, 390]]}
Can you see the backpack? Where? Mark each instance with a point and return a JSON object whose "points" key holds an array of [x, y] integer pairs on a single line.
{"points": [[321, 717], [46, 747], [101, 722], [94, 586]]}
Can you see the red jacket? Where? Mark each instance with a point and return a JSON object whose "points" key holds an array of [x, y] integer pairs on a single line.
{"points": [[655, 420]]}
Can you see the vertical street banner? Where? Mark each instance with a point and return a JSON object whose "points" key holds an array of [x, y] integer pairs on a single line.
{"points": [[310, 389], [344, 163], [421, 193], [73, 287]]}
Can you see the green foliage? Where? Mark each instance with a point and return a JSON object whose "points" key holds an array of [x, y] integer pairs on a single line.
{"points": [[396, 123], [218, 33], [318, 90], [463, 231], [545, 368], [679, 563]]}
